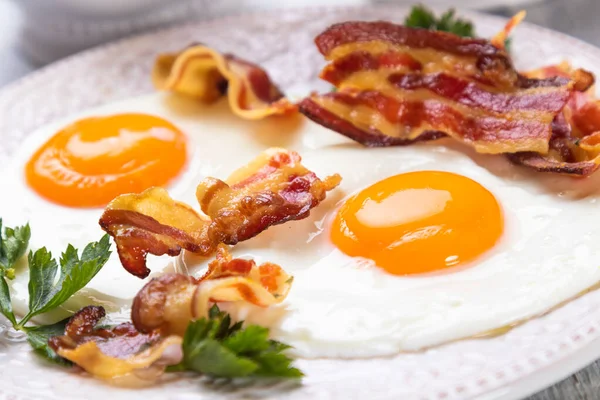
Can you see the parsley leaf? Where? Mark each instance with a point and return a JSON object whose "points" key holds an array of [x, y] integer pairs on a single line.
{"points": [[42, 273], [45, 291], [13, 243], [458, 26], [214, 347], [5, 301], [422, 17], [507, 44], [38, 337]]}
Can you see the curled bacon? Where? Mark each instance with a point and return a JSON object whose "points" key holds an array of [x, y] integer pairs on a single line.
{"points": [[206, 74], [108, 353], [575, 142], [273, 189], [500, 39], [168, 303], [398, 85], [161, 312]]}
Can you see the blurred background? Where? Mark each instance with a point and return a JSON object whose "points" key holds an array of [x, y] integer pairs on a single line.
{"points": [[36, 32]]}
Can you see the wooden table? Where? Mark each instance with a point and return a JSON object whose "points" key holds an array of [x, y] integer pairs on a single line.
{"points": [[578, 18]]}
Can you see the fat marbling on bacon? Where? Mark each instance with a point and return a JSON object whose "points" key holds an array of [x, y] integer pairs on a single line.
{"points": [[575, 141], [272, 189], [161, 312], [110, 352], [398, 85], [206, 74], [168, 303]]}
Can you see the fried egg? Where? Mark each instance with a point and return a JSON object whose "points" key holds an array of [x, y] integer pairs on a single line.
{"points": [[420, 245], [93, 160]]}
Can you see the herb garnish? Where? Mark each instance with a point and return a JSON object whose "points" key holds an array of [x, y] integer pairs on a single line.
{"points": [[13, 243], [75, 273], [38, 337], [422, 17], [214, 347], [46, 290]]}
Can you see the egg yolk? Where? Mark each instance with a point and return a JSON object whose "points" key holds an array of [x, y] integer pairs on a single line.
{"points": [[419, 222], [92, 161]]}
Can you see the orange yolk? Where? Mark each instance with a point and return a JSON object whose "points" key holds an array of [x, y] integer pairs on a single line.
{"points": [[92, 161], [419, 222]]}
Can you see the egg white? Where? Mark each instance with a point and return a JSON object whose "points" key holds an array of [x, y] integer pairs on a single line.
{"points": [[341, 306]]}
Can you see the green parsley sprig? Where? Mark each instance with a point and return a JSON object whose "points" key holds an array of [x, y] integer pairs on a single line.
{"points": [[422, 17], [217, 348], [13, 244], [49, 287], [212, 346]]}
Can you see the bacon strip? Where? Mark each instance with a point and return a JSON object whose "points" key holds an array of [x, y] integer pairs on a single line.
{"points": [[398, 85], [575, 142], [500, 39], [206, 74], [273, 189], [168, 303], [161, 312], [109, 353]]}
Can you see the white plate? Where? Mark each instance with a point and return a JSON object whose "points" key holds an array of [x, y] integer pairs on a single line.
{"points": [[506, 367]]}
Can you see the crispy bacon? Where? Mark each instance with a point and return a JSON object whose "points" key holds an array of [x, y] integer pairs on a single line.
{"points": [[575, 142], [168, 303], [108, 353], [500, 39], [206, 74], [161, 312], [272, 189], [398, 85]]}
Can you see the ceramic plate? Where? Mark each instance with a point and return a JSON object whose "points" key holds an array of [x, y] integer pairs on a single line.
{"points": [[512, 365]]}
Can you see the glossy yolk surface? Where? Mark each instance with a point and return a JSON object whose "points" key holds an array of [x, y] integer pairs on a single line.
{"points": [[92, 161], [419, 222]]}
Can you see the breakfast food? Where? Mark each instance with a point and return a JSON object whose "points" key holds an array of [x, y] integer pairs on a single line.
{"points": [[272, 189], [161, 314], [456, 221], [93, 160], [417, 245], [205, 74], [111, 352], [170, 302], [502, 38], [397, 85], [575, 142]]}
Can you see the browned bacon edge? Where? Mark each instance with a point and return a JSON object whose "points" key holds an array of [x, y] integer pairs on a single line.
{"points": [[277, 190], [493, 87], [262, 85], [492, 62], [361, 31], [161, 313], [562, 144], [119, 341], [168, 303], [250, 91], [372, 138], [542, 164]]}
